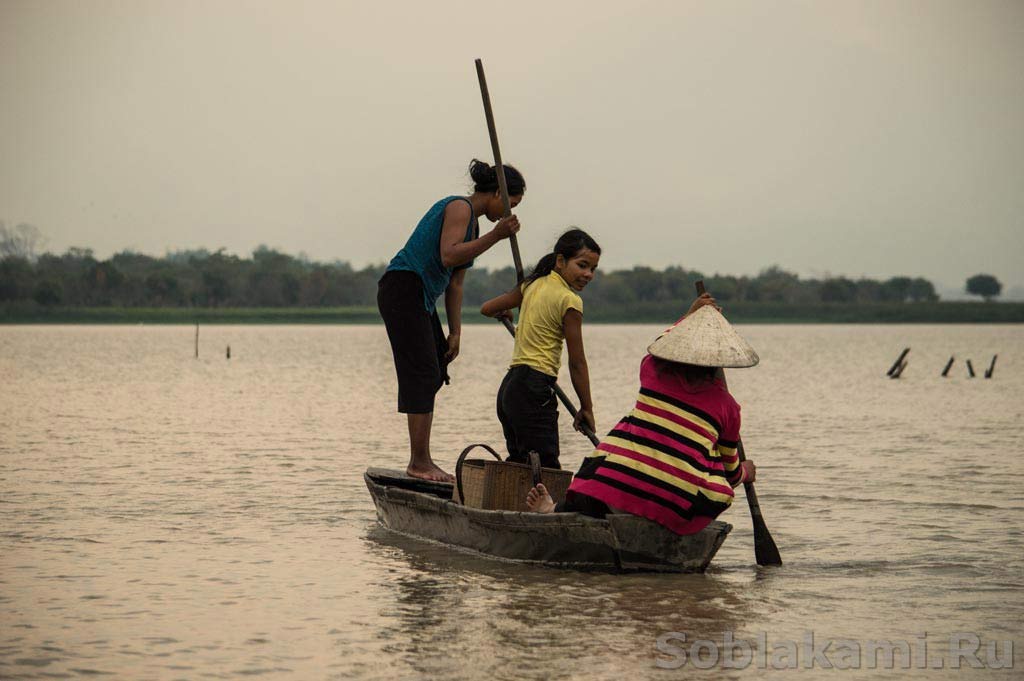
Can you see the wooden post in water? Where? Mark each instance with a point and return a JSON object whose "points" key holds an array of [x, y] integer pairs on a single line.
{"points": [[970, 369], [896, 364], [197, 340], [991, 367], [229, 352], [899, 369], [945, 372]]}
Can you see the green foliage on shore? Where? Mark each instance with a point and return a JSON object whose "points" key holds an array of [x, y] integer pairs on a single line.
{"points": [[190, 279], [825, 313], [984, 285], [31, 313], [273, 287], [657, 313]]}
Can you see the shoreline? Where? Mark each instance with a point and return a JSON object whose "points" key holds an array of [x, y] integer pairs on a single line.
{"points": [[642, 313]]}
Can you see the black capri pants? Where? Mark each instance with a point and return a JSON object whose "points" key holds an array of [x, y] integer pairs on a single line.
{"points": [[418, 343], [528, 411]]}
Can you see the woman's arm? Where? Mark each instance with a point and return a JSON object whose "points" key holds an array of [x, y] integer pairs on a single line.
{"points": [[730, 450], [572, 327], [453, 308], [496, 307], [455, 250]]}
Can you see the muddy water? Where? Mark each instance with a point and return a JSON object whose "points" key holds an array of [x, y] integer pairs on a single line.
{"points": [[163, 517]]}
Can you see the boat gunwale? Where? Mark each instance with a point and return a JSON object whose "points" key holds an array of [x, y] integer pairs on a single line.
{"points": [[599, 534]]}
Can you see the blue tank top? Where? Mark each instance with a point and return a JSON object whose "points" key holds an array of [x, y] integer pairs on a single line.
{"points": [[422, 252]]}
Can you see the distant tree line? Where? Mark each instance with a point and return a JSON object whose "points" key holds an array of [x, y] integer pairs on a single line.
{"points": [[200, 278]]}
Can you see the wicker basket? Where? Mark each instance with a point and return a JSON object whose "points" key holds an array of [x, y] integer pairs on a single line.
{"points": [[502, 485]]}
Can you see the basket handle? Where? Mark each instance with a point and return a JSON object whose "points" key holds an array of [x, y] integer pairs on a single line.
{"points": [[535, 467], [458, 466]]}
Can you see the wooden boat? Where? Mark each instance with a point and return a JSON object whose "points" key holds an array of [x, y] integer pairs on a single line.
{"points": [[620, 543]]}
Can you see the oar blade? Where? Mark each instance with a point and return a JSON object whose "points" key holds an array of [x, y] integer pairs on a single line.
{"points": [[765, 551]]}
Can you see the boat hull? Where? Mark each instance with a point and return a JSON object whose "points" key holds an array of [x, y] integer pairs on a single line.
{"points": [[569, 540]]}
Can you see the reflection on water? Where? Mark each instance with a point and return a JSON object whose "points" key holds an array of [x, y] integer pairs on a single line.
{"points": [[166, 517], [531, 617]]}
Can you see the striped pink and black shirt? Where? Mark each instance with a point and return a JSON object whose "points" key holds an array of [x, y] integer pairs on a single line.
{"points": [[673, 458]]}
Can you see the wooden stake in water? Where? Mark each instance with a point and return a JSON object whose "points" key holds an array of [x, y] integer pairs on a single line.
{"points": [[229, 352], [970, 369], [896, 364], [197, 340], [991, 367], [945, 372]]}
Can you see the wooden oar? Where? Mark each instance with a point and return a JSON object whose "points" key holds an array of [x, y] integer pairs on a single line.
{"points": [[498, 167], [503, 188], [765, 551]]}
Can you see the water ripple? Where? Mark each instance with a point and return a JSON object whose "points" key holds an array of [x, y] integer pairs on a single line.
{"points": [[166, 517]]}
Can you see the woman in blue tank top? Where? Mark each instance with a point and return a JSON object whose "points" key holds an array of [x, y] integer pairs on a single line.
{"points": [[433, 262]]}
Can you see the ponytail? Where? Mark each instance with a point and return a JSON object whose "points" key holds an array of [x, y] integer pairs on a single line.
{"points": [[543, 268]]}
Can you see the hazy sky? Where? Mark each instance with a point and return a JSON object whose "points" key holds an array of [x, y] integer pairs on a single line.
{"points": [[857, 138]]}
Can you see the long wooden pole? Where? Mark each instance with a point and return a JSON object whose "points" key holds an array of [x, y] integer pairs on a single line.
{"points": [[498, 167], [503, 188], [765, 551]]}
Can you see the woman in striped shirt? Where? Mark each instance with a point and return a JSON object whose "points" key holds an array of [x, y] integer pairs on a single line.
{"points": [[673, 459]]}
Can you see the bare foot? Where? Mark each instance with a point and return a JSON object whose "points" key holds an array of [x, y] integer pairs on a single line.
{"points": [[539, 501], [430, 472]]}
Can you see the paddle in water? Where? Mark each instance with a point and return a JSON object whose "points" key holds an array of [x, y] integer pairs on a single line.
{"points": [[765, 551]]}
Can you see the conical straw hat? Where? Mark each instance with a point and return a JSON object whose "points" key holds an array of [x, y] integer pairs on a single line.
{"points": [[705, 338]]}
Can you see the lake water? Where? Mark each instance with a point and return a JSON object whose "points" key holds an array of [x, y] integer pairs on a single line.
{"points": [[164, 517]]}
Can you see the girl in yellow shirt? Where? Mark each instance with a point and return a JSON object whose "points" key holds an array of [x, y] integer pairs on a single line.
{"points": [[551, 311]]}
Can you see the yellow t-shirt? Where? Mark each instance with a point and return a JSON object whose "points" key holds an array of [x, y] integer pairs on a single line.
{"points": [[539, 335]]}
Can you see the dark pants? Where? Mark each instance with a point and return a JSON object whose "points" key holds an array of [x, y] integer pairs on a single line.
{"points": [[418, 343], [583, 503], [528, 411]]}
